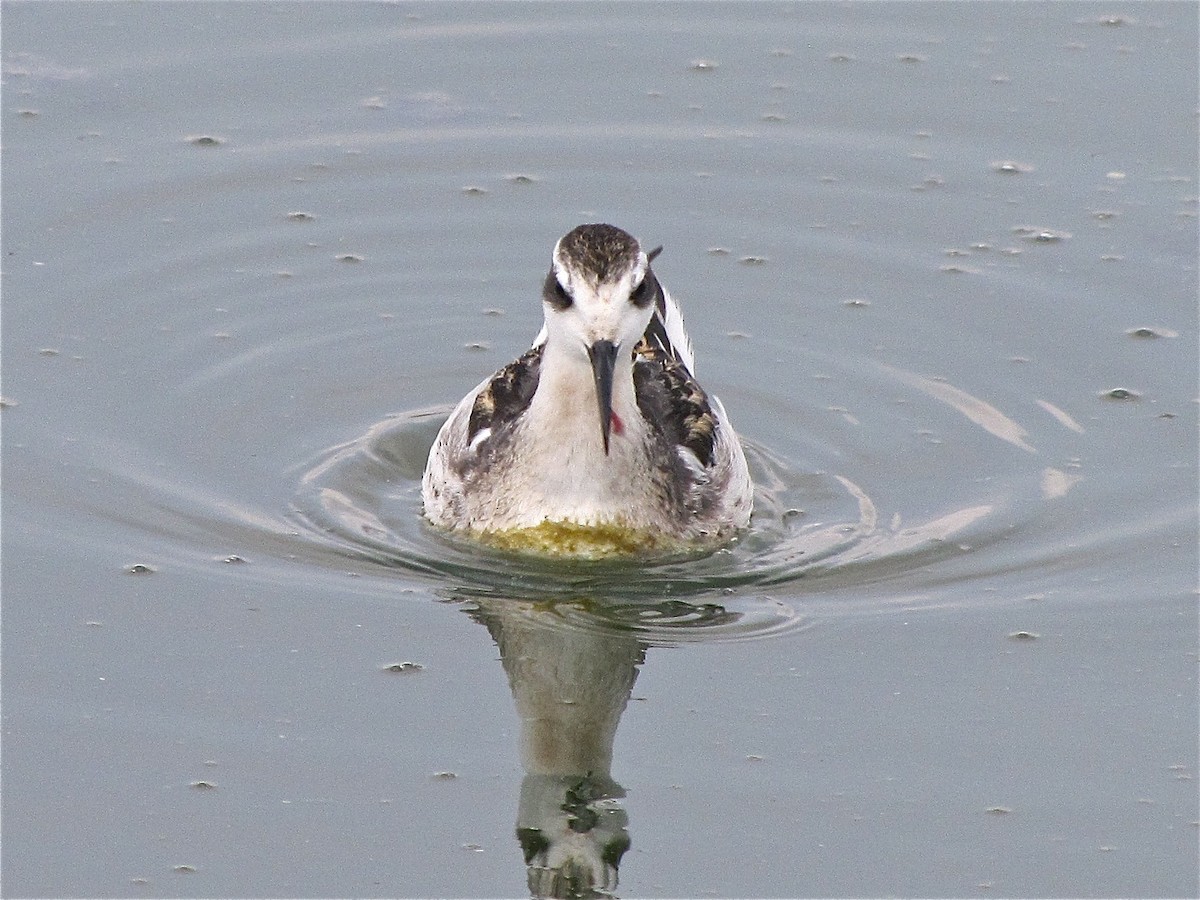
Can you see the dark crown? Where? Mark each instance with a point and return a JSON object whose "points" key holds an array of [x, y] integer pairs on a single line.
{"points": [[604, 250]]}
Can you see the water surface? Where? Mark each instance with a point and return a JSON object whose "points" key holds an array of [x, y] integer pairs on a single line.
{"points": [[939, 262]]}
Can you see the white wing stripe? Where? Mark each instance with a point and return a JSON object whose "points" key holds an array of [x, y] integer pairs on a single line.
{"points": [[676, 332]]}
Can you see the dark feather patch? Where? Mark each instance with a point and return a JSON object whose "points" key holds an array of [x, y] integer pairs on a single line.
{"points": [[670, 397], [604, 250], [646, 292], [555, 294], [507, 395]]}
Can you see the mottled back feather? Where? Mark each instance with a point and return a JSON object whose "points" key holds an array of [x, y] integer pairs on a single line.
{"points": [[669, 397], [507, 395]]}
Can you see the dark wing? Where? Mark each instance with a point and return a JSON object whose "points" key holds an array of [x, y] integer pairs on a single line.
{"points": [[669, 397], [507, 395]]}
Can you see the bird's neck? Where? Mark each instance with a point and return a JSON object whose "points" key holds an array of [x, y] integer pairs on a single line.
{"points": [[567, 388]]}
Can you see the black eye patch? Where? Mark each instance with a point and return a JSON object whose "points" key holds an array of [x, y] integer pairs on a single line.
{"points": [[643, 295], [555, 294]]}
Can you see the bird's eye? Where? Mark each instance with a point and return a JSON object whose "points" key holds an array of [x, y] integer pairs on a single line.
{"points": [[555, 294], [641, 295]]}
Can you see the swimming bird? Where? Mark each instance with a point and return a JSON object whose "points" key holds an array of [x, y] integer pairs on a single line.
{"points": [[598, 440]]}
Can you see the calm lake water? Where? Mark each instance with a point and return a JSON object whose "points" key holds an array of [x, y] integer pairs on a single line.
{"points": [[940, 263]]}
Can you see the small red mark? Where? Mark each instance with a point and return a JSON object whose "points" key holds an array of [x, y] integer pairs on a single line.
{"points": [[618, 427]]}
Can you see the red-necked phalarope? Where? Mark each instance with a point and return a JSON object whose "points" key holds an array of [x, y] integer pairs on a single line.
{"points": [[521, 462]]}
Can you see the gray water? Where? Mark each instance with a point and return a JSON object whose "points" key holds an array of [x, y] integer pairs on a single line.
{"points": [[939, 262]]}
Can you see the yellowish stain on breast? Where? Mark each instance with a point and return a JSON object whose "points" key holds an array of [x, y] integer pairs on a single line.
{"points": [[575, 540]]}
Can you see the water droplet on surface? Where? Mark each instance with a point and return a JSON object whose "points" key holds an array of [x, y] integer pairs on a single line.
{"points": [[521, 179], [1009, 167], [301, 217], [702, 65], [185, 870], [752, 260], [140, 569], [350, 258], [1121, 394], [204, 785], [205, 140], [1024, 635], [998, 810], [404, 668], [474, 190], [1146, 331], [1039, 235], [445, 776]]}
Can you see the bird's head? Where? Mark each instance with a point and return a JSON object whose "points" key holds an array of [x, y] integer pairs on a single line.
{"points": [[599, 297]]}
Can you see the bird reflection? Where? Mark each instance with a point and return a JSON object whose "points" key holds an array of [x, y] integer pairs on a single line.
{"points": [[571, 685]]}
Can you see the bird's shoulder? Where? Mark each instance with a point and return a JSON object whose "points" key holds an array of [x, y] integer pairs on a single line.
{"points": [[670, 397], [506, 395]]}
